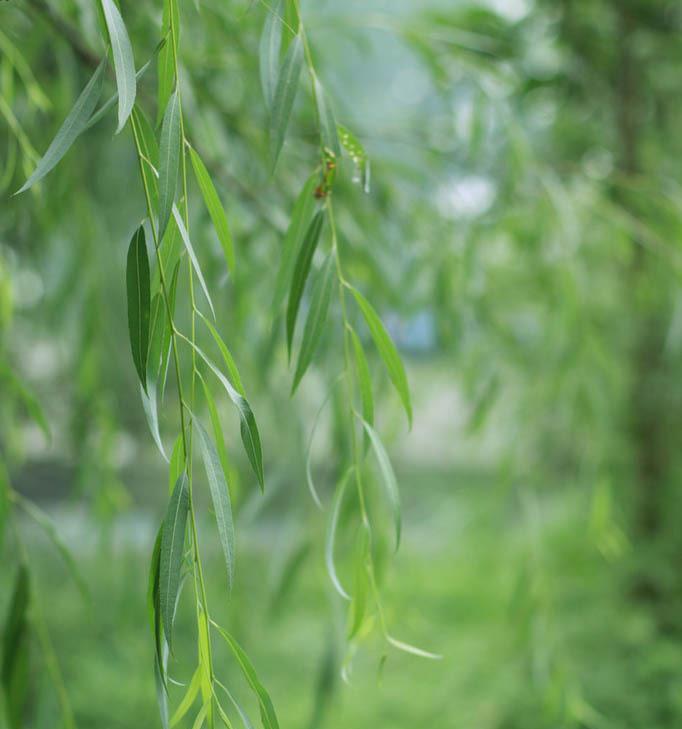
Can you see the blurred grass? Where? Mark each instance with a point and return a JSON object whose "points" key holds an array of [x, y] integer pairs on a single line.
{"points": [[511, 588]]}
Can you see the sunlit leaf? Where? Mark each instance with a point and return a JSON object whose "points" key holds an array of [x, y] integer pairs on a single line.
{"points": [[172, 549], [124, 65], [285, 95], [387, 350], [317, 317], [137, 285], [214, 207], [387, 477], [301, 271], [269, 50], [331, 533], [268, 715], [74, 124], [169, 160], [15, 656], [300, 220], [325, 114], [220, 496], [407, 648]]}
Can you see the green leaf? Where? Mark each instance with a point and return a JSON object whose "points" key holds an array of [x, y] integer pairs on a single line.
{"points": [[364, 379], [188, 699], [137, 284], [387, 350], [124, 65], [28, 399], [388, 479], [407, 648], [301, 271], [358, 606], [325, 114], [217, 428], [214, 207], [221, 498], [304, 208], [317, 316], [177, 463], [151, 413], [169, 160], [248, 428], [331, 533], [269, 49], [73, 126], [267, 710], [172, 549], [15, 666], [166, 65], [192, 256], [160, 646], [285, 95], [227, 356]]}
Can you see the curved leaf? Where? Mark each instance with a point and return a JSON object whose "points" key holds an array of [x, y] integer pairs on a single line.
{"points": [[325, 114], [124, 65], [331, 534], [285, 95], [137, 284], [169, 160]]}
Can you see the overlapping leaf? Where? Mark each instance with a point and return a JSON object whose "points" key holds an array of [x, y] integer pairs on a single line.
{"points": [[137, 285]]}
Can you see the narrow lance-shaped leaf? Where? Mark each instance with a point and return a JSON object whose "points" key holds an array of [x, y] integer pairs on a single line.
{"points": [[214, 207], [301, 271], [325, 114], [331, 534], [358, 606], [317, 316], [387, 478], [160, 646], [387, 350], [227, 356], [217, 428], [74, 125], [285, 95], [220, 496], [166, 65], [15, 667], [364, 380], [124, 65], [304, 207], [169, 160], [269, 49], [177, 463], [137, 284], [150, 149], [188, 699], [172, 549], [267, 710]]}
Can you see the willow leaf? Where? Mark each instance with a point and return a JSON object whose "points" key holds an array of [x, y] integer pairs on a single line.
{"points": [[301, 271], [407, 648], [220, 496], [28, 399], [160, 646], [269, 50], [177, 463], [364, 379], [188, 699], [166, 65], [304, 207], [285, 95], [217, 428], [172, 548], [227, 356], [388, 479], [317, 317], [358, 606], [248, 428], [357, 153], [387, 350], [124, 65], [137, 284], [151, 413], [268, 715], [214, 207], [15, 668], [169, 160], [74, 125], [331, 534], [325, 113]]}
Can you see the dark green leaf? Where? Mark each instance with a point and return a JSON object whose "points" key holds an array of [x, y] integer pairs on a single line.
{"points": [[15, 666], [269, 49], [387, 350], [214, 207], [124, 65], [285, 95], [169, 160], [317, 316], [300, 275], [137, 284], [172, 549], [74, 124]]}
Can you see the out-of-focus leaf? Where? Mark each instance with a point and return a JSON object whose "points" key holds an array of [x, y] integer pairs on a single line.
{"points": [[267, 710], [269, 49], [169, 160], [28, 399], [74, 124], [301, 271], [285, 95], [124, 64], [407, 648], [15, 656], [214, 207], [357, 153], [220, 496], [387, 477], [137, 285], [317, 316], [325, 113], [364, 379], [166, 65], [300, 220], [331, 533], [387, 350], [358, 606], [172, 549]]}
